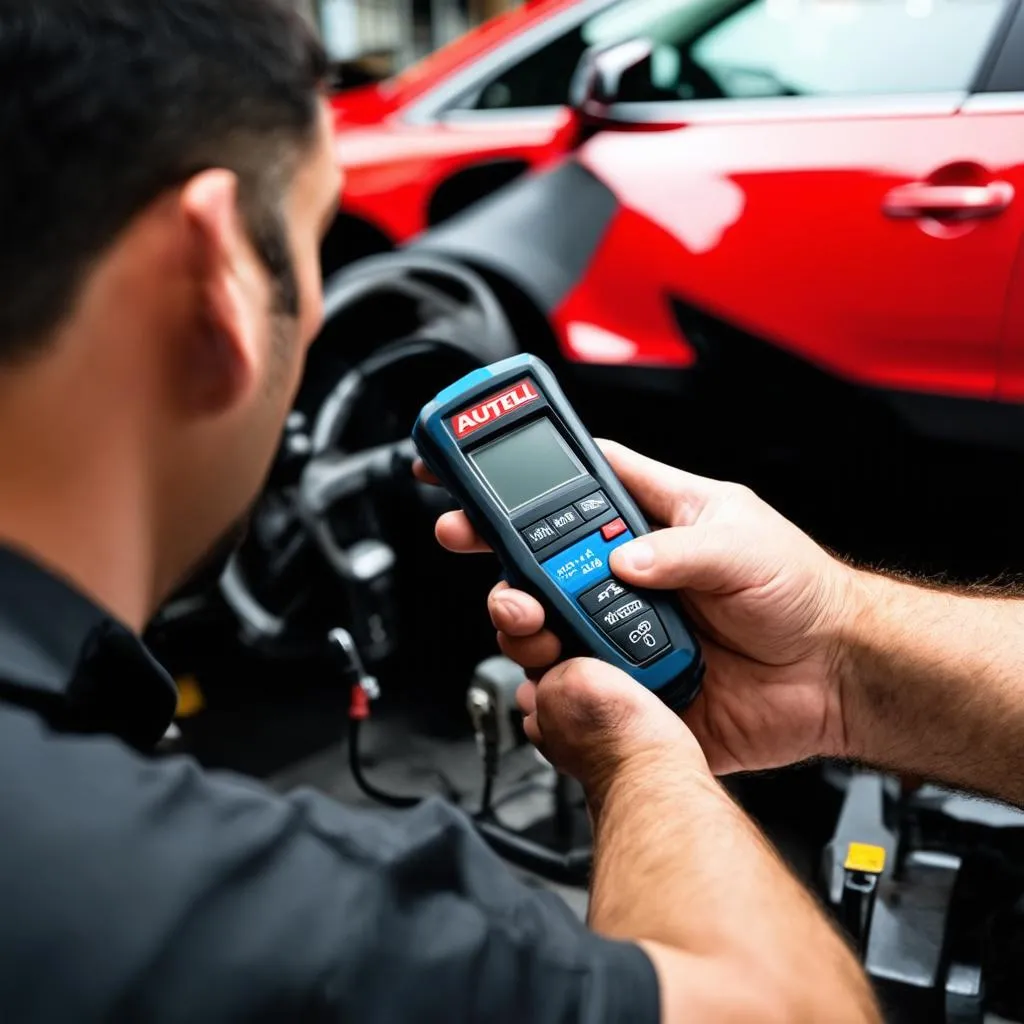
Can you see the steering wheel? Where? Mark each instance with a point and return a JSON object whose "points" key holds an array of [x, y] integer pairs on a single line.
{"points": [[323, 498]]}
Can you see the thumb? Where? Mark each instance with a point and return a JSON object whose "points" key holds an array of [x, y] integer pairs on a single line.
{"points": [[701, 557], [666, 494]]}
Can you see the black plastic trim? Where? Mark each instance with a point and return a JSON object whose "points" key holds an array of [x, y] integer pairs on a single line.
{"points": [[540, 233], [1003, 71], [470, 184]]}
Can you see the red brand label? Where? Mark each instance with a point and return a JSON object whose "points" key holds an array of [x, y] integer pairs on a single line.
{"points": [[493, 408]]}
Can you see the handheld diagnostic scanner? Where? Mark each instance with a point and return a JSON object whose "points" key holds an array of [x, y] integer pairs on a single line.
{"points": [[510, 449]]}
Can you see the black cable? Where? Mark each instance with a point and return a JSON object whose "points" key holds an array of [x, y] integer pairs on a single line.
{"points": [[355, 763], [572, 868], [491, 757], [487, 800]]}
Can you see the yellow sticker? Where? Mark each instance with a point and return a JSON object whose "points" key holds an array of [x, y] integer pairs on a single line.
{"points": [[190, 697], [865, 857]]}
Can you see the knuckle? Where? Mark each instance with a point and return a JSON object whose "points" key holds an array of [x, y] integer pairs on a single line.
{"points": [[584, 698], [741, 492], [575, 680]]}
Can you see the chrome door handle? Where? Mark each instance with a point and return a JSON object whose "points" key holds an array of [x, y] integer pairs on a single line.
{"points": [[961, 202]]}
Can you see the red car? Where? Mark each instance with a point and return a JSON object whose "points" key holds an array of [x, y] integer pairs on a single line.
{"points": [[847, 180], [780, 239]]}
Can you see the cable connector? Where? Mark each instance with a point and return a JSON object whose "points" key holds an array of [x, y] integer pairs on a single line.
{"points": [[359, 705], [483, 711], [363, 693], [482, 714], [364, 688]]}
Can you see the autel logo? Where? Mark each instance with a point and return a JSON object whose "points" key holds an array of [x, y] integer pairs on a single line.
{"points": [[493, 408]]}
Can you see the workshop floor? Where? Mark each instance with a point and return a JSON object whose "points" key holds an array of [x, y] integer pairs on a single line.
{"points": [[407, 763]]}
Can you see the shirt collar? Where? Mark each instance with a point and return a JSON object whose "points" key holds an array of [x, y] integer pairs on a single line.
{"points": [[58, 645]]}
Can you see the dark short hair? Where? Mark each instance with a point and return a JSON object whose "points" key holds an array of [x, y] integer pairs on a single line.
{"points": [[106, 104]]}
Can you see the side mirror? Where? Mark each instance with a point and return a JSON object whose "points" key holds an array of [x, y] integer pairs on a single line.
{"points": [[597, 83]]}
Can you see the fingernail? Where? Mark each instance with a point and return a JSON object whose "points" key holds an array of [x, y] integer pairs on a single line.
{"points": [[637, 555], [509, 608]]}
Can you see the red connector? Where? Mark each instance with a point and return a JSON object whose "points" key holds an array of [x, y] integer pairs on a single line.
{"points": [[359, 706]]}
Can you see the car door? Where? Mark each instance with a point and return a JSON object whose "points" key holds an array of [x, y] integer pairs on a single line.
{"points": [[867, 209]]}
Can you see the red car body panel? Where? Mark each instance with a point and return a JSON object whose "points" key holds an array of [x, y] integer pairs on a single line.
{"points": [[778, 228], [391, 175], [393, 165]]}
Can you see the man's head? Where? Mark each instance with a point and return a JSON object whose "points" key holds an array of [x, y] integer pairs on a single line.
{"points": [[165, 183]]}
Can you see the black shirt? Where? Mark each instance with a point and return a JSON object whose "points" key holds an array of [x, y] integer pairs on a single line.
{"points": [[145, 890]]}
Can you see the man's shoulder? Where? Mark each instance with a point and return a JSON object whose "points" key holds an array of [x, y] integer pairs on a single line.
{"points": [[136, 875], [157, 879], [84, 806]]}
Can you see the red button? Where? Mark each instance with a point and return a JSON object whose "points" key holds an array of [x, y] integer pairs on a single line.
{"points": [[613, 529]]}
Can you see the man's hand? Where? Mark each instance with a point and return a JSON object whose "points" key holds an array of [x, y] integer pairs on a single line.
{"points": [[594, 723], [767, 601], [678, 866]]}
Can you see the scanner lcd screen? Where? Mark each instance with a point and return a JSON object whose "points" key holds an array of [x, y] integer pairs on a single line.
{"points": [[527, 464]]}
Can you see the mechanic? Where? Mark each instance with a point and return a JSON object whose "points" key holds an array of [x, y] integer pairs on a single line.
{"points": [[166, 183]]}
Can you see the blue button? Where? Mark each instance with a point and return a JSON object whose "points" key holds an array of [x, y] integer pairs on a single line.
{"points": [[584, 564]]}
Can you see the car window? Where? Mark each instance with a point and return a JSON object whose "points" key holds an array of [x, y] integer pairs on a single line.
{"points": [[540, 80], [828, 49], [743, 49]]}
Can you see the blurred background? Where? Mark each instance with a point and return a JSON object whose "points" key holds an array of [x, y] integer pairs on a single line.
{"points": [[371, 39]]}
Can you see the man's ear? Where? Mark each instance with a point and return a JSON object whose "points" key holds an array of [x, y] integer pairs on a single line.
{"points": [[223, 348]]}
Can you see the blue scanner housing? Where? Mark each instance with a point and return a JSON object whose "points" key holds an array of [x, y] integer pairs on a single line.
{"points": [[511, 450]]}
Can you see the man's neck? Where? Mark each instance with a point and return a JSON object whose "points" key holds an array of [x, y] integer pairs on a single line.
{"points": [[67, 499]]}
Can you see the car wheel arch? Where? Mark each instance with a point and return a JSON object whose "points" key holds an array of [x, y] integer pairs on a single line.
{"points": [[352, 238], [470, 184]]}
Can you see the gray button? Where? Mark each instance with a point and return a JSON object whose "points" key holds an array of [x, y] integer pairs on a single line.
{"points": [[566, 521], [593, 505], [539, 535], [604, 595], [622, 611], [641, 638]]}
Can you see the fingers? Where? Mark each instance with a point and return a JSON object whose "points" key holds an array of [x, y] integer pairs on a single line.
{"points": [[519, 620], [526, 698], [514, 613], [420, 471], [538, 651], [666, 494], [533, 733], [454, 532]]}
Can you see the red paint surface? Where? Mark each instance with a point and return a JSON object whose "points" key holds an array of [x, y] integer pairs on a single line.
{"points": [[778, 228]]}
